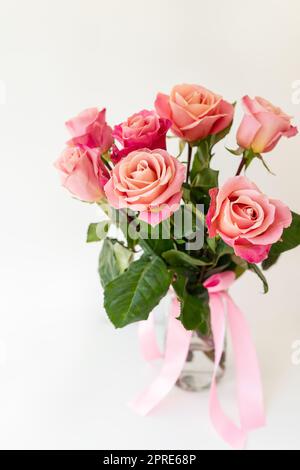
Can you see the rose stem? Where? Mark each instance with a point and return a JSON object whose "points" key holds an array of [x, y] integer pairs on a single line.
{"points": [[241, 166], [188, 163]]}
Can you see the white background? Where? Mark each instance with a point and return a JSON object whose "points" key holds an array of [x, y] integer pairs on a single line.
{"points": [[65, 374]]}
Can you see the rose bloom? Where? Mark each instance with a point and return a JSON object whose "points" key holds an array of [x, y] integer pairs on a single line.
{"points": [[195, 112], [82, 172], [246, 219], [141, 130], [148, 181], [263, 125], [90, 129]]}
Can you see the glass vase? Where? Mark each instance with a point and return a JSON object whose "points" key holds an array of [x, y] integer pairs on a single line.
{"points": [[198, 369]]}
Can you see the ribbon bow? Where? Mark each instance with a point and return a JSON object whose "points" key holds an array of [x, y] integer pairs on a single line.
{"points": [[249, 388]]}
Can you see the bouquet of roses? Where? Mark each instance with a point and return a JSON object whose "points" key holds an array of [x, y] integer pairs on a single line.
{"points": [[178, 227], [131, 175]]}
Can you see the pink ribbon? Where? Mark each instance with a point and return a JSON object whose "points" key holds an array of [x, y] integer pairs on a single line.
{"points": [[177, 346], [249, 388], [147, 339]]}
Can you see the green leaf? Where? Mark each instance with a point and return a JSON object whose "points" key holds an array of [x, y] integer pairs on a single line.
{"points": [[194, 307], [105, 207], [151, 238], [237, 152], [188, 222], [179, 258], [113, 260], [256, 270], [108, 268], [223, 249], [131, 296], [179, 283], [194, 313], [224, 266], [289, 240], [123, 256], [179, 241], [239, 271], [182, 144], [260, 157], [211, 242], [201, 159], [97, 232], [186, 192], [240, 262], [125, 220], [199, 196], [206, 179]]}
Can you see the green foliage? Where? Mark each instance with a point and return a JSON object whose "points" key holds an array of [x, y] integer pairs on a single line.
{"points": [[202, 177], [127, 223], [113, 260], [194, 307], [194, 313], [155, 240], [131, 296], [180, 258], [223, 249], [201, 159], [260, 157], [290, 239], [256, 270], [206, 179], [182, 144], [200, 196], [237, 152], [97, 231]]}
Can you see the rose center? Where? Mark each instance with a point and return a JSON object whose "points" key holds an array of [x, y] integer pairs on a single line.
{"points": [[143, 172], [142, 165], [250, 212]]}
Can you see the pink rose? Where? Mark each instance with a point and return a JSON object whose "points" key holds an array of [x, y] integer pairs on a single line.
{"points": [[263, 125], [195, 112], [82, 172], [141, 130], [148, 181], [89, 128], [246, 219]]}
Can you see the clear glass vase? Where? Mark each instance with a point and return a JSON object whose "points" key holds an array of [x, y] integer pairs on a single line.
{"points": [[197, 372]]}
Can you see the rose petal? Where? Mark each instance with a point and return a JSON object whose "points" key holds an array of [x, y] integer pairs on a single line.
{"points": [[251, 253]]}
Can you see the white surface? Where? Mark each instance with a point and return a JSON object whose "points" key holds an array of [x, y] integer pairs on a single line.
{"points": [[65, 374]]}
